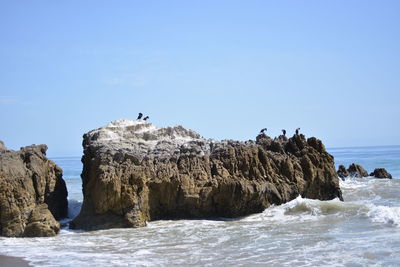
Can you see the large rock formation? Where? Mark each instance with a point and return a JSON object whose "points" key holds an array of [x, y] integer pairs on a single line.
{"points": [[135, 172], [32, 193]]}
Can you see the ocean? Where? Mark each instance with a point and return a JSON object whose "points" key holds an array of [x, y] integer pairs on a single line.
{"points": [[362, 230]]}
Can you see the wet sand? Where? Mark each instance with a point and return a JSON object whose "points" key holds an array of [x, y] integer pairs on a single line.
{"points": [[6, 261]]}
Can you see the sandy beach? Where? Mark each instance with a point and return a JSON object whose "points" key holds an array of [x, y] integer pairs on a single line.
{"points": [[6, 261]]}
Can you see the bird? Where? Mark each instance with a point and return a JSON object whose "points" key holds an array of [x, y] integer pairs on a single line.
{"points": [[263, 130], [297, 130], [146, 118], [139, 116], [284, 132]]}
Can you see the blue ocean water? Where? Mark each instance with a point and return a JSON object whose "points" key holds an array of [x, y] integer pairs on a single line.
{"points": [[364, 230], [72, 169]]}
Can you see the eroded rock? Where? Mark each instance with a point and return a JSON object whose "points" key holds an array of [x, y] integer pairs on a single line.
{"points": [[356, 170], [135, 172], [32, 193], [342, 172], [381, 173], [41, 223]]}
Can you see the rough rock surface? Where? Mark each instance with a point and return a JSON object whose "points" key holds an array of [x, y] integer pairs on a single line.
{"points": [[135, 172], [357, 171], [342, 172], [32, 193], [381, 173], [2, 146]]}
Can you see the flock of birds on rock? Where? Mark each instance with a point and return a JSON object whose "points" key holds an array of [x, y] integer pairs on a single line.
{"points": [[140, 115], [283, 131]]}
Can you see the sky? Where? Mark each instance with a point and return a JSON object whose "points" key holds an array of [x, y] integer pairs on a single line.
{"points": [[225, 69]]}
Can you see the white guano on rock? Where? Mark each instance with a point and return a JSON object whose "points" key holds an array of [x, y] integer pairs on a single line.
{"points": [[141, 138]]}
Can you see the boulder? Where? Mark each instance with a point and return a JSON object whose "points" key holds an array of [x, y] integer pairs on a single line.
{"points": [[32, 193], [357, 171], [342, 172], [41, 223], [134, 172], [381, 173]]}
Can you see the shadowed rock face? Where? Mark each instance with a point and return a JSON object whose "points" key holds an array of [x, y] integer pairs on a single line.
{"points": [[342, 172], [32, 193], [381, 173], [135, 172], [356, 170]]}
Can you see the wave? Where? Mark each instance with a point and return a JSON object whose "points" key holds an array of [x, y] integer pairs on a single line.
{"points": [[303, 209], [317, 232], [74, 207], [384, 214], [356, 183]]}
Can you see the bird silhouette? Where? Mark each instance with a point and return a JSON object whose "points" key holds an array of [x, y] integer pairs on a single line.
{"points": [[139, 116], [146, 118], [297, 130], [263, 130], [284, 132]]}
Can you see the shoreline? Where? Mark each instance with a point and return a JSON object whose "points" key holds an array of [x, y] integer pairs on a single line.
{"points": [[10, 261]]}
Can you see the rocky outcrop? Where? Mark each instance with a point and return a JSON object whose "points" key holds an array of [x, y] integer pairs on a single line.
{"points": [[32, 193], [357, 171], [381, 173], [342, 172], [135, 172]]}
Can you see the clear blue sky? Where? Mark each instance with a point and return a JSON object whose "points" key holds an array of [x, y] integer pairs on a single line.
{"points": [[223, 68]]}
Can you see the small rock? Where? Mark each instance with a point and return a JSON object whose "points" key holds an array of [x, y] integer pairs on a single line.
{"points": [[357, 171], [381, 173], [342, 172]]}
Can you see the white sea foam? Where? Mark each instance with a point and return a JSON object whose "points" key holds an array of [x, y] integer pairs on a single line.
{"points": [[377, 198], [384, 214], [352, 183], [302, 209], [303, 232]]}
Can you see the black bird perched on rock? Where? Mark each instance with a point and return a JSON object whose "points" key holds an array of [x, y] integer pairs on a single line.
{"points": [[284, 132], [139, 116], [297, 130], [263, 130], [146, 118]]}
